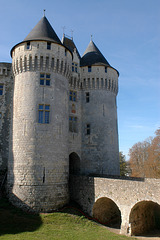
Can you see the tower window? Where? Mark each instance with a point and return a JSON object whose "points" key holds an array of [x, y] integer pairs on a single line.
{"points": [[74, 67], [28, 45], [43, 112], [48, 45], [72, 124], [73, 96], [87, 97], [45, 79], [88, 129], [89, 69], [65, 52], [48, 79], [1, 89], [105, 69]]}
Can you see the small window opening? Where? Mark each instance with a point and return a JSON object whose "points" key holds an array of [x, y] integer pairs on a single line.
{"points": [[87, 97], [28, 45], [48, 45], [105, 69], [89, 68], [88, 129]]}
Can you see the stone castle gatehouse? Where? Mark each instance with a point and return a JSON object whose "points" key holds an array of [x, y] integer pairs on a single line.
{"points": [[58, 118]]}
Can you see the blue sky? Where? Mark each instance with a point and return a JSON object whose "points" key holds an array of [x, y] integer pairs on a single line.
{"points": [[126, 32]]}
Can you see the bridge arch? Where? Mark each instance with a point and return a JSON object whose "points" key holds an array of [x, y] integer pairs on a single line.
{"points": [[144, 217], [107, 212], [74, 163]]}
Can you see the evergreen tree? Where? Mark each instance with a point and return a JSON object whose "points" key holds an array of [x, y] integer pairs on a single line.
{"points": [[123, 165]]}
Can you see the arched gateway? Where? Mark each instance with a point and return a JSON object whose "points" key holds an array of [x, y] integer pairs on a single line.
{"points": [[74, 163]]}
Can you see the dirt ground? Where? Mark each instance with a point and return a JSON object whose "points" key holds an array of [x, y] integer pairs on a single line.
{"points": [[153, 236]]}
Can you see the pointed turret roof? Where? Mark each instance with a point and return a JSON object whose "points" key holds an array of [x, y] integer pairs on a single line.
{"points": [[43, 31], [92, 56], [69, 43]]}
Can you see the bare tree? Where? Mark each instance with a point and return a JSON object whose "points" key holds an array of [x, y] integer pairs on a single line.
{"points": [[145, 157]]}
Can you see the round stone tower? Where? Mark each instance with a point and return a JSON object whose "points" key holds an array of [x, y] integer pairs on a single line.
{"points": [[38, 165], [100, 150]]}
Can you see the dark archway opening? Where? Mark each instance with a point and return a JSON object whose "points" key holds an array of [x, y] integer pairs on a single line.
{"points": [[74, 164], [145, 218], [107, 212]]}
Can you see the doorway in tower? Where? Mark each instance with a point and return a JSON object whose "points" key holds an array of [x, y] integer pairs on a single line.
{"points": [[74, 163]]}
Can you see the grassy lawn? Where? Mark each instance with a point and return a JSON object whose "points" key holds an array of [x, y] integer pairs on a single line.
{"points": [[67, 225]]}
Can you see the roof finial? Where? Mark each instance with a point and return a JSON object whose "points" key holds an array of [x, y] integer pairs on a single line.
{"points": [[72, 34], [44, 10], [63, 30], [91, 37]]}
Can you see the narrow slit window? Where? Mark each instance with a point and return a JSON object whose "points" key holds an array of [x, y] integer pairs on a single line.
{"points": [[87, 97], [88, 129]]}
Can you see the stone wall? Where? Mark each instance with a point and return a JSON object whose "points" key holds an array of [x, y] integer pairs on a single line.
{"points": [[6, 88], [124, 192]]}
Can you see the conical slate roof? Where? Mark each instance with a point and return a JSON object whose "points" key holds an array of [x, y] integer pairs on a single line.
{"points": [[43, 31], [68, 43], [92, 56]]}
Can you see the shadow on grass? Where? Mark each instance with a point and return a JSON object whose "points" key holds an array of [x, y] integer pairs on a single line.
{"points": [[74, 208], [14, 220]]}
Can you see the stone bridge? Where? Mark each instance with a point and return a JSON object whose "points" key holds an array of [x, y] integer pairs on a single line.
{"points": [[132, 204]]}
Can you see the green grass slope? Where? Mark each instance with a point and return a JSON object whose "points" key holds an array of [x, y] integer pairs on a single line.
{"points": [[67, 225]]}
